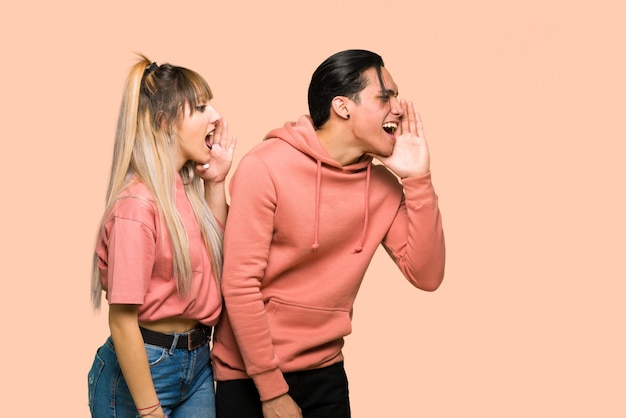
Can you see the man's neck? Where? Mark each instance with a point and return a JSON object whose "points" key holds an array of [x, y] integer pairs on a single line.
{"points": [[335, 140]]}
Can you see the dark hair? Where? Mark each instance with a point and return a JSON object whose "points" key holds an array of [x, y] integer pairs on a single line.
{"points": [[340, 74]]}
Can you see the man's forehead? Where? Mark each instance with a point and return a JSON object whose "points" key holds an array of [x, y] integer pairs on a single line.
{"points": [[385, 79]]}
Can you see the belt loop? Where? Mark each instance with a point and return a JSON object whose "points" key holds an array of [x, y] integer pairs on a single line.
{"points": [[174, 343]]}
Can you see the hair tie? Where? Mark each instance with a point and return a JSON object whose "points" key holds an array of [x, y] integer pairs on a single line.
{"points": [[153, 67]]}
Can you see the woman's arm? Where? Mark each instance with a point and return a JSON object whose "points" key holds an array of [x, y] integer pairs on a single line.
{"points": [[215, 196], [214, 173], [131, 354]]}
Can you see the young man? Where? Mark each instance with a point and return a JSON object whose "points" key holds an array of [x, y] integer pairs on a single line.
{"points": [[308, 211]]}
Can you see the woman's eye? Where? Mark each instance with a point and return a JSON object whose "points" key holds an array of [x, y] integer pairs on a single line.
{"points": [[201, 108]]}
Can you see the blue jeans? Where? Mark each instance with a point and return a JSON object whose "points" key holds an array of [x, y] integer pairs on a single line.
{"points": [[183, 381]]}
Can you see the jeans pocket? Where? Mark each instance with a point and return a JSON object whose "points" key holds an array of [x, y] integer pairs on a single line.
{"points": [[92, 378], [155, 354]]}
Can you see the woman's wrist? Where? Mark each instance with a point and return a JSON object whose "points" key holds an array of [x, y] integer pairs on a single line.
{"points": [[210, 184], [151, 411]]}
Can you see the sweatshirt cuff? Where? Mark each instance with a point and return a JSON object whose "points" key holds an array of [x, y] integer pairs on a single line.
{"points": [[419, 189], [270, 384]]}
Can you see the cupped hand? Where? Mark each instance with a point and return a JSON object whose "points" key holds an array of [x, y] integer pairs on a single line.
{"points": [[221, 160], [410, 156]]}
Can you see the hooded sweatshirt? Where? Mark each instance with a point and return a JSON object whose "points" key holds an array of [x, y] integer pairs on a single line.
{"points": [[300, 234]]}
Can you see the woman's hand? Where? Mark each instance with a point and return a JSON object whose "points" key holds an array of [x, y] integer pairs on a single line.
{"points": [[222, 150]]}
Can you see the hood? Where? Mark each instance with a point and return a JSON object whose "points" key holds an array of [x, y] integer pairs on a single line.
{"points": [[302, 136]]}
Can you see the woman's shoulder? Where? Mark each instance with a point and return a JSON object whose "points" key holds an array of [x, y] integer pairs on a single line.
{"points": [[134, 202], [136, 188]]}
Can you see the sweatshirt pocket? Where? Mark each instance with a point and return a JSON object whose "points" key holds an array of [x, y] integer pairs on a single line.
{"points": [[306, 336]]}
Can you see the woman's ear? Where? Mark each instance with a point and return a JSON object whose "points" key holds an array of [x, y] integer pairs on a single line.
{"points": [[161, 121], [339, 105], [166, 128]]}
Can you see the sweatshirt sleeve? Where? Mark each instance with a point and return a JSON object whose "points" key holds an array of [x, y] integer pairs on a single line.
{"points": [[247, 240], [127, 253], [415, 240]]}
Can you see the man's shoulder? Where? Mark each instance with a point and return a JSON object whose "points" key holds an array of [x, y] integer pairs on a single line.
{"points": [[272, 151], [270, 146]]}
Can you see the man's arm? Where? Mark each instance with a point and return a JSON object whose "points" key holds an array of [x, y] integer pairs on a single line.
{"points": [[247, 241], [415, 240]]}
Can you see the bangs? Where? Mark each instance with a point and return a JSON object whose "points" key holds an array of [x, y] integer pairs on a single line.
{"points": [[195, 89]]}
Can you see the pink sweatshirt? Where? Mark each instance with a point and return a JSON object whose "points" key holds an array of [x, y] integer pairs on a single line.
{"points": [[300, 234], [136, 265]]}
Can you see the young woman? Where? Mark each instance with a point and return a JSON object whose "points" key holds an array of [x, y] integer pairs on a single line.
{"points": [[158, 255]]}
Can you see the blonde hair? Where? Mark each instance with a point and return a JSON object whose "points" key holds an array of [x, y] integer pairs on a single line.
{"points": [[152, 106]]}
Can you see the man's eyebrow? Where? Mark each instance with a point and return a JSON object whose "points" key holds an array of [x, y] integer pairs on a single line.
{"points": [[390, 92]]}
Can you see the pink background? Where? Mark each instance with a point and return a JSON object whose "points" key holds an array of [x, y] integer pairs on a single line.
{"points": [[523, 106]]}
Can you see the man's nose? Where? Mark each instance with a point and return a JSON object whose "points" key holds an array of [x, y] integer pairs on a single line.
{"points": [[396, 106]]}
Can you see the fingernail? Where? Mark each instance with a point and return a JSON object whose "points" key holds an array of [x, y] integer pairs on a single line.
{"points": [[205, 166]]}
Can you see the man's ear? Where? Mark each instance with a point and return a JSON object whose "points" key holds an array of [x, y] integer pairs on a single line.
{"points": [[339, 105]]}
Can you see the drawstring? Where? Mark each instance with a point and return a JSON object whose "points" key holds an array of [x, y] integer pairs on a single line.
{"points": [[318, 184], [359, 246]]}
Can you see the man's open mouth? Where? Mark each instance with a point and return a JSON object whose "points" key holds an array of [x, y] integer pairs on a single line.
{"points": [[390, 127]]}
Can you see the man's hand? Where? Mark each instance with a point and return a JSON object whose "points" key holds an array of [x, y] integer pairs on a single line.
{"points": [[410, 156], [281, 407]]}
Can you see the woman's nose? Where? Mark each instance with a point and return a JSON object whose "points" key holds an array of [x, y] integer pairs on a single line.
{"points": [[215, 115]]}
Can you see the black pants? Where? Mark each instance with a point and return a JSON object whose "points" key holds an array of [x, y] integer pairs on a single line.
{"points": [[320, 393]]}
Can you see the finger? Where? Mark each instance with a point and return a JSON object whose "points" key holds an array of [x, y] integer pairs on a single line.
{"points": [[202, 167], [412, 120], [420, 127], [404, 121], [223, 132], [217, 133], [232, 144]]}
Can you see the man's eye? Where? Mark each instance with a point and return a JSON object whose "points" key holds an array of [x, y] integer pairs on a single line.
{"points": [[385, 98], [201, 108]]}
